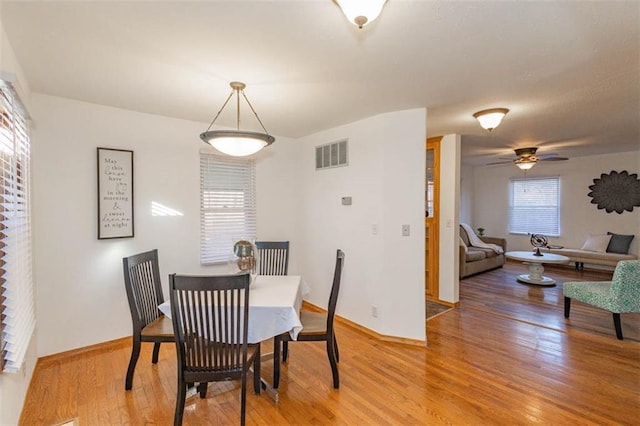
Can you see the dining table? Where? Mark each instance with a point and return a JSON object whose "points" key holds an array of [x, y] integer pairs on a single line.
{"points": [[274, 309]]}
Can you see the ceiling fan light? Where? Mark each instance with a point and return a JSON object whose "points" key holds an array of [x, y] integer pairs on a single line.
{"points": [[525, 163], [237, 143], [489, 119], [361, 12]]}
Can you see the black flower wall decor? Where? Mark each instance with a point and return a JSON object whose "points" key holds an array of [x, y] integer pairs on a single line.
{"points": [[616, 191]]}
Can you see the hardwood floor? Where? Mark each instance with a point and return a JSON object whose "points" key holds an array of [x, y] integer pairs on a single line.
{"points": [[505, 356]]}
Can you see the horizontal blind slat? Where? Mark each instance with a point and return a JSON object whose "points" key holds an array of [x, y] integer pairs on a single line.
{"points": [[227, 205], [535, 206], [17, 302]]}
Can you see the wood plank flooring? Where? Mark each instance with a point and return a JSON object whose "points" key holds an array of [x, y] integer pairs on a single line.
{"points": [[505, 356]]}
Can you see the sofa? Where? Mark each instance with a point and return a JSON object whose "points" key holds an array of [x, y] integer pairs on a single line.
{"points": [[474, 260], [604, 249], [580, 257]]}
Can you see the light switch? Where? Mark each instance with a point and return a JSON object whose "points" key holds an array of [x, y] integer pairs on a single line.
{"points": [[346, 201], [406, 230]]}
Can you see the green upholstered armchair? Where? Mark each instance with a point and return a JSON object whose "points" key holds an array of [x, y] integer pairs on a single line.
{"points": [[618, 296]]}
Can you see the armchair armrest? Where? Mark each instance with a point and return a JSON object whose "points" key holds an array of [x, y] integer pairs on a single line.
{"points": [[463, 260], [502, 242]]}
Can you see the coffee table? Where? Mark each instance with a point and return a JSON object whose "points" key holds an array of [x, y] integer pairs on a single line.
{"points": [[535, 267]]}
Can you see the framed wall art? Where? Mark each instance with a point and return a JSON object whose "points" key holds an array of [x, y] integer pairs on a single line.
{"points": [[115, 193], [616, 192]]}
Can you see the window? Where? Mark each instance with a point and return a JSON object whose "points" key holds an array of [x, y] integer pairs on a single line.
{"points": [[534, 206], [16, 284], [227, 205]]}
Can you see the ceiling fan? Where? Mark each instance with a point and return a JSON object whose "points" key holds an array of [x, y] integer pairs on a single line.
{"points": [[526, 158]]}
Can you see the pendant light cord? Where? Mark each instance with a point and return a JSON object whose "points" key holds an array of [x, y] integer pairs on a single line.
{"points": [[218, 114], [238, 110], [254, 112]]}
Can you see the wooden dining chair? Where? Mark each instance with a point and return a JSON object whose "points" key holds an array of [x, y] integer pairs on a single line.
{"points": [[210, 316], [316, 327], [273, 257], [144, 293]]}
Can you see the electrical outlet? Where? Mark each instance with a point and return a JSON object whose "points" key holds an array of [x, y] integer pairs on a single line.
{"points": [[374, 311], [374, 229]]}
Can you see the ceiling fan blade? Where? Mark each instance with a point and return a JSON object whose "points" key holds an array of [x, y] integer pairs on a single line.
{"points": [[554, 159], [500, 162]]}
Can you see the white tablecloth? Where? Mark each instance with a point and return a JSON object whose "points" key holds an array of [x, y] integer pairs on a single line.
{"points": [[274, 306]]}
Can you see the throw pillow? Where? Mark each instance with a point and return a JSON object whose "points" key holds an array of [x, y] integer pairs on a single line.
{"points": [[597, 243], [619, 243]]}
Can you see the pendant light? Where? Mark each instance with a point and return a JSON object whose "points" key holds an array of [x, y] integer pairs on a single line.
{"points": [[237, 143], [361, 12]]}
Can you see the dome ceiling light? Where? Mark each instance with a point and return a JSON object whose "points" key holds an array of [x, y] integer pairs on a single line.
{"points": [[489, 119]]}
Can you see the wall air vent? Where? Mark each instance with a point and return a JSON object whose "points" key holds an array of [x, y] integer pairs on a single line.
{"points": [[332, 155]]}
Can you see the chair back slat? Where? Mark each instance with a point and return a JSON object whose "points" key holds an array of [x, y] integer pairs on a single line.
{"points": [[210, 316], [335, 289], [273, 257], [143, 287]]}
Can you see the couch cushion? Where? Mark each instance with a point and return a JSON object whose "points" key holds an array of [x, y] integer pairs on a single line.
{"points": [[488, 252], [475, 255]]}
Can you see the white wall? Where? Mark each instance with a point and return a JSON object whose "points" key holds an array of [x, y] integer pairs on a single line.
{"points": [[466, 194], [578, 216], [385, 178], [278, 197], [13, 387], [81, 297], [449, 254]]}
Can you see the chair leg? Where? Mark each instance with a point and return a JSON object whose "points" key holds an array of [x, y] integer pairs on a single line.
{"points": [[180, 400], [285, 350], [243, 397], [332, 360], [156, 350], [202, 389], [617, 325], [276, 361], [567, 306], [335, 348], [257, 378], [135, 354]]}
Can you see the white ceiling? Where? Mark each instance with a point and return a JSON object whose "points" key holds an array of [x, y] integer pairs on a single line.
{"points": [[568, 71]]}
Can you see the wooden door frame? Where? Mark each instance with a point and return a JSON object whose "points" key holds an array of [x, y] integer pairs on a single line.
{"points": [[434, 234]]}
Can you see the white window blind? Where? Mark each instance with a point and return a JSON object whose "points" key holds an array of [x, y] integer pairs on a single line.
{"points": [[16, 283], [535, 206], [227, 205]]}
